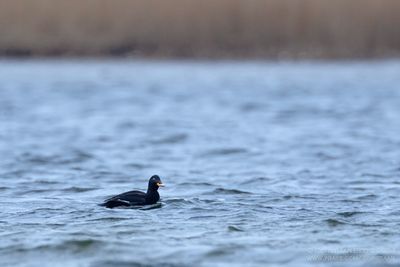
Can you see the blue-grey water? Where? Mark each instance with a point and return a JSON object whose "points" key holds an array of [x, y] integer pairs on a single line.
{"points": [[265, 163]]}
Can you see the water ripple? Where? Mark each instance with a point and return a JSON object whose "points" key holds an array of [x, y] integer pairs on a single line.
{"points": [[262, 161]]}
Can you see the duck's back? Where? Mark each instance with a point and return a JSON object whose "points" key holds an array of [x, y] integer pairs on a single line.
{"points": [[130, 198]]}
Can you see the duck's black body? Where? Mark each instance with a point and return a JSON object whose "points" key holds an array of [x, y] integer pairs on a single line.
{"points": [[136, 198]]}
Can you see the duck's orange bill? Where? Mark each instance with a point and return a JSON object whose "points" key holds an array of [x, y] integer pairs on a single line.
{"points": [[160, 184]]}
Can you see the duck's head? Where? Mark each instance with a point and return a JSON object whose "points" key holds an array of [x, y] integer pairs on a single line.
{"points": [[155, 182]]}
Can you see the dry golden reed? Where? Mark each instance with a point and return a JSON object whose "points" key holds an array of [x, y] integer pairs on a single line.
{"points": [[201, 28]]}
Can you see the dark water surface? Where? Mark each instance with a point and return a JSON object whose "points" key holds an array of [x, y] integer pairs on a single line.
{"points": [[292, 164]]}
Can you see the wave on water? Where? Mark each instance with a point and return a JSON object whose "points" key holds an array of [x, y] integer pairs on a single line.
{"points": [[173, 139], [133, 263], [224, 152], [334, 222], [76, 156], [72, 245], [225, 191], [77, 189], [348, 214], [257, 180]]}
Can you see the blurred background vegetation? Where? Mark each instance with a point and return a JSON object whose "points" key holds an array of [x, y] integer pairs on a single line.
{"points": [[201, 28]]}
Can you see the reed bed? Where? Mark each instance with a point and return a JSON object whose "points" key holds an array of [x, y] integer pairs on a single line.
{"points": [[201, 28]]}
